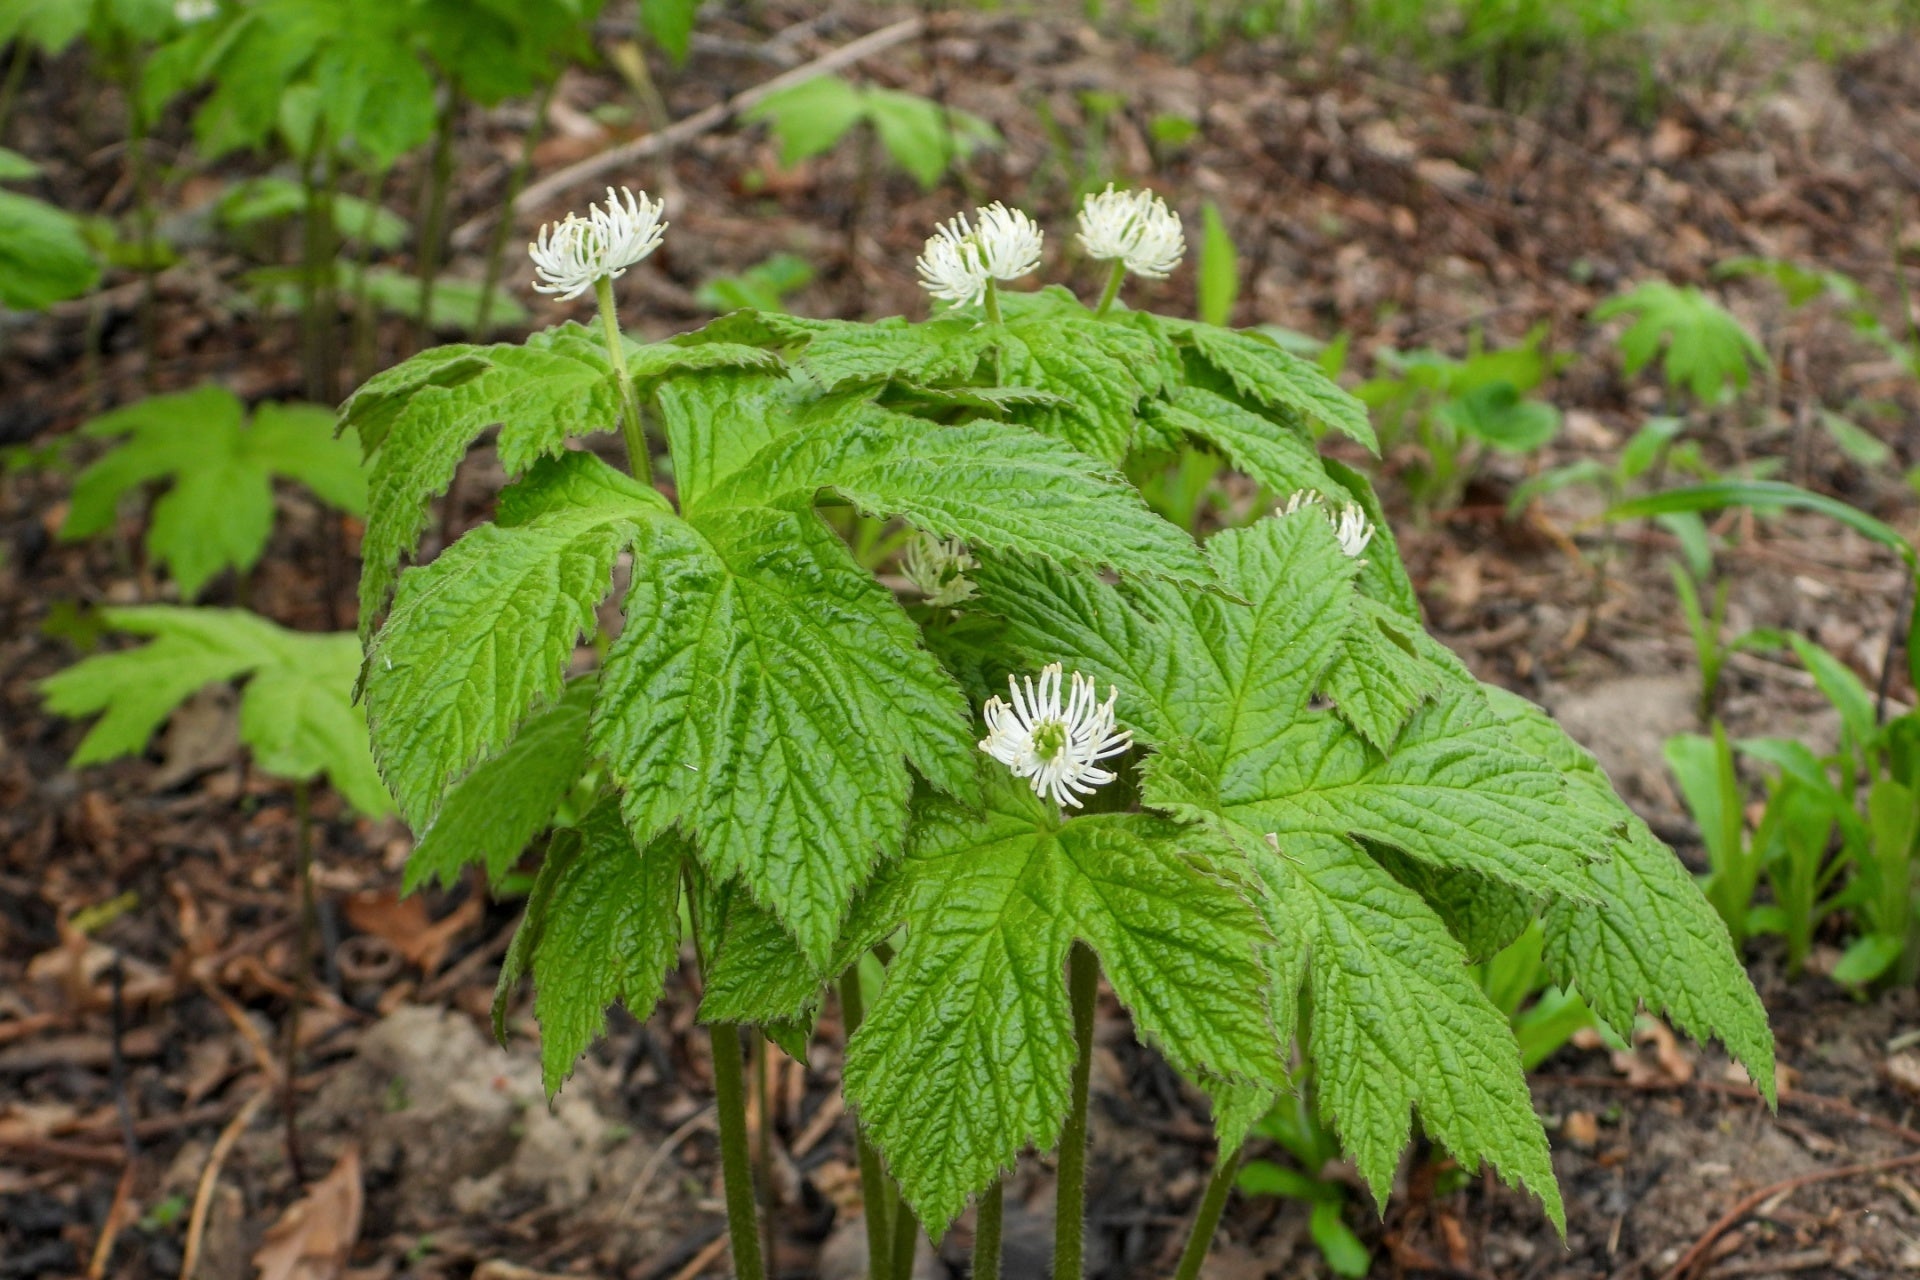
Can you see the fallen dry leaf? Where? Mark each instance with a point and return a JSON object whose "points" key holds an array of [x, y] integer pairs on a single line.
{"points": [[313, 1237], [404, 923]]}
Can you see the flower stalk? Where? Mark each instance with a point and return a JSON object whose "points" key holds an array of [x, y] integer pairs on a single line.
{"points": [[1206, 1220], [1070, 1203], [639, 461], [986, 1233], [1115, 275], [873, 1179], [736, 1161]]}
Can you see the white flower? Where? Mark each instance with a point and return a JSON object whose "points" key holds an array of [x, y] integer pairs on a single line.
{"points": [[570, 256], [189, 12], [1350, 525], [960, 258], [1135, 227], [1058, 750], [936, 568]]}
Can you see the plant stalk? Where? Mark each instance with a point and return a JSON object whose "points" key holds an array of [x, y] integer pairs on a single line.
{"points": [[736, 1160], [638, 460], [503, 229], [763, 1140], [433, 225], [986, 1233], [1207, 1219], [362, 340], [10, 89], [1115, 277], [993, 302], [873, 1180], [1070, 1205], [303, 968], [906, 1239]]}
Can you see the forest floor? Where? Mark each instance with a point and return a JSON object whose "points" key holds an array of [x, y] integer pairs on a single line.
{"points": [[1398, 208]]}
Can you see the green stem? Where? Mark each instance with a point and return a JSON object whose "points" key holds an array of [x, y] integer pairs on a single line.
{"points": [[906, 1238], [1207, 1219], [986, 1234], [138, 176], [873, 1180], [763, 1142], [736, 1161], [1112, 291], [363, 335], [993, 302], [503, 228], [637, 458], [10, 90], [433, 225], [1070, 1206]]}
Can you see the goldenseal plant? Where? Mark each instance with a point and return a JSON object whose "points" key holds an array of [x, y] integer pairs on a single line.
{"points": [[1280, 836]]}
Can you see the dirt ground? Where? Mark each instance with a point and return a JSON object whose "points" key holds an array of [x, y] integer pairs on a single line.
{"points": [[1388, 204]]}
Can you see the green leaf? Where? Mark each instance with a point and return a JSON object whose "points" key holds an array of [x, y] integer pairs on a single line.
{"points": [[296, 712], [1762, 494], [715, 421], [1867, 958], [966, 1056], [427, 412], [494, 812], [1707, 349], [44, 258], [946, 348], [991, 485], [1344, 1253], [811, 117], [15, 167], [1379, 680], [482, 636], [1496, 414], [670, 24], [1647, 935], [1218, 282], [1284, 382], [924, 137], [765, 694], [218, 512], [1276, 457], [602, 925], [1102, 370], [1399, 1024]]}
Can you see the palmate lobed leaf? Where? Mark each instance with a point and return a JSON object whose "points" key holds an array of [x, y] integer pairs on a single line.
{"points": [[966, 1056], [218, 510], [296, 710]]}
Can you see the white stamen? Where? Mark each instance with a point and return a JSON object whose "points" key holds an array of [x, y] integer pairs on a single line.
{"points": [[1135, 227], [960, 257], [936, 568], [1057, 749], [572, 255]]}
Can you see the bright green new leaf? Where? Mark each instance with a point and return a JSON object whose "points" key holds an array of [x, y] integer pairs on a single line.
{"points": [[483, 635], [966, 1056], [44, 258], [492, 814], [1279, 458], [1379, 679], [602, 926], [218, 510], [1218, 283], [766, 694], [296, 712], [1278, 379], [1646, 935], [1707, 348]]}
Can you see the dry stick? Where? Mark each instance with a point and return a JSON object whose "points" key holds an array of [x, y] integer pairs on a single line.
{"points": [[123, 1108], [700, 122], [210, 1177], [1691, 1260], [116, 1218], [1896, 630]]}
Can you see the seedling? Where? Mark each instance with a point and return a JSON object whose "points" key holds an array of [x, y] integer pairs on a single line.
{"points": [[1218, 762], [921, 136], [44, 257], [1709, 353], [762, 287], [218, 509]]}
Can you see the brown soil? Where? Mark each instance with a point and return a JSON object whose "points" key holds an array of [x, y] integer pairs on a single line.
{"points": [[1387, 206]]}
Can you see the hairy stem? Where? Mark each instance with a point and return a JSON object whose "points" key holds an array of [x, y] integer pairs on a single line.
{"points": [[1070, 1207], [763, 1140], [636, 437], [906, 1238], [736, 1162], [873, 1180], [503, 229], [993, 302], [1207, 1219], [1115, 277], [986, 1233]]}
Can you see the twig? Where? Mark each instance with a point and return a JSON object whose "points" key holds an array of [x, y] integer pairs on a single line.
{"points": [[1896, 630], [701, 121], [703, 1259], [702, 1119], [1690, 1260], [116, 1218], [1793, 1097], [210, 1177]]}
